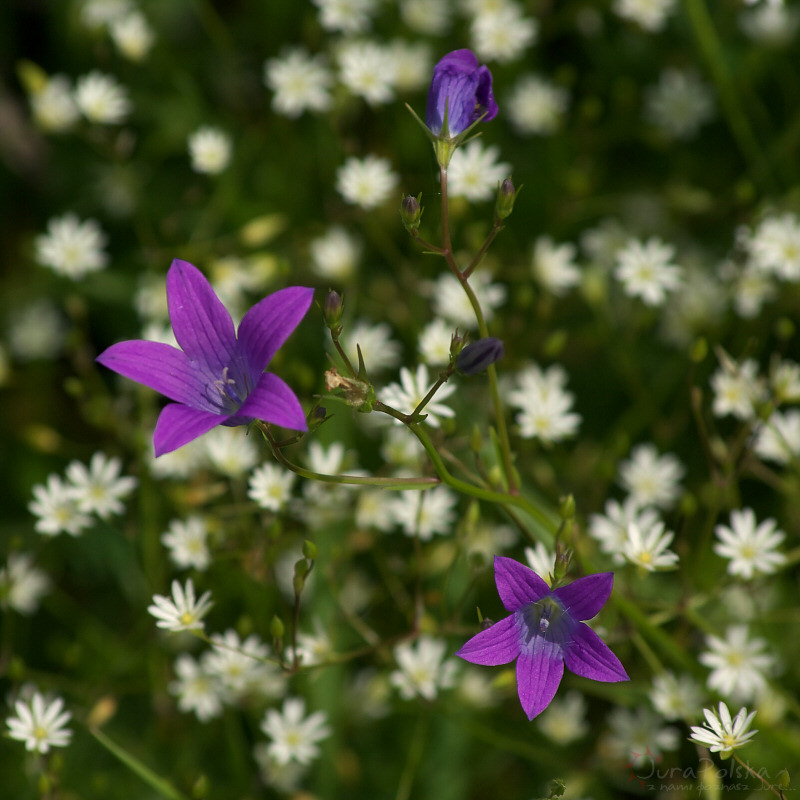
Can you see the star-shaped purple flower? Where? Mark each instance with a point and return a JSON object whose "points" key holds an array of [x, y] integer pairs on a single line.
{"points": [[464, 89], [545, 633], [217, 377]]}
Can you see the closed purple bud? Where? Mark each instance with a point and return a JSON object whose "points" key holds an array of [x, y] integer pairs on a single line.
{"points": [[461, 91], [332, 310], [476, 357], [411, 212]]}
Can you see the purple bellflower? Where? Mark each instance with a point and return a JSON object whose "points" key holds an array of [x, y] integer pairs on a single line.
{"points": [[461, 91], [217, 377], [545, 633]]}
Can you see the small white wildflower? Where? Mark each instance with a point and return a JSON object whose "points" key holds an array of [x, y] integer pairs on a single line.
{"points": [[639, 735], [502, 34], [611, 528], [22, 585], [648, 14], [99, 489], [182, 612], [720, 733], [409, 393], [474, 171], [378, 348], [196, 689], [778, 439], [774, 24], [541, 561], [101, 13], [294, 736], [431, 17], [413, 64], [239, 665], [56, 507], [775, 246], [648, 550], [37, 331], [187, 542], [271, 486], [335, 255], [300, 82], [604, 241], [423, 668], [679, 104], [373, 510], [424, 513], [738, 664], [737, 389], [434, 342], [554, 266], [450, 301], [784, 381], [345, 16], [314, 648], [40, 724], [564, 720], [53, 105], [229, 452], [368, 182], [751, 547], [102, 99], [645, 270], [72, 248], [133, 35], [368, 70], [545, 406], [209, 150], [675, 697], [536, 106], [652, 480]]}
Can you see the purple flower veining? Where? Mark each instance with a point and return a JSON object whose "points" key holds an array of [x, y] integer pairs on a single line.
{"points": [[545, 633], [461, 89], [217, 377]]}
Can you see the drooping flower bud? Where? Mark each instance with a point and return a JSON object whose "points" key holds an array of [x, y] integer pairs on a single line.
{"points": [[459, 95], [476, 357]]}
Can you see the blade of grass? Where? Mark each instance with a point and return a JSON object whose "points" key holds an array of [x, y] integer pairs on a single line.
{"points": [[162, 786]]}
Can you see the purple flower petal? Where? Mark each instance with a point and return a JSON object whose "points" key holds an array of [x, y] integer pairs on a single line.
{"points": [[273, 401], [177, 425], [498, 644], [161, 367], [461, 89], [539, 674], [267, 325], [584, 597], [517, 585], [588, 655], [202, 325]]}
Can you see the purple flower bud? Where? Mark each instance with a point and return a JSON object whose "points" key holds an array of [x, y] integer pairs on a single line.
{"points": [[476, 357], [463, 90]]}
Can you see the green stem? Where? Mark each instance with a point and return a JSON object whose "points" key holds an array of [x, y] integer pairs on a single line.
{"points": [[483, 330], [764, 781], [729, 94], [469, 489], [352, 480], [496, 228], [156, 782]]}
